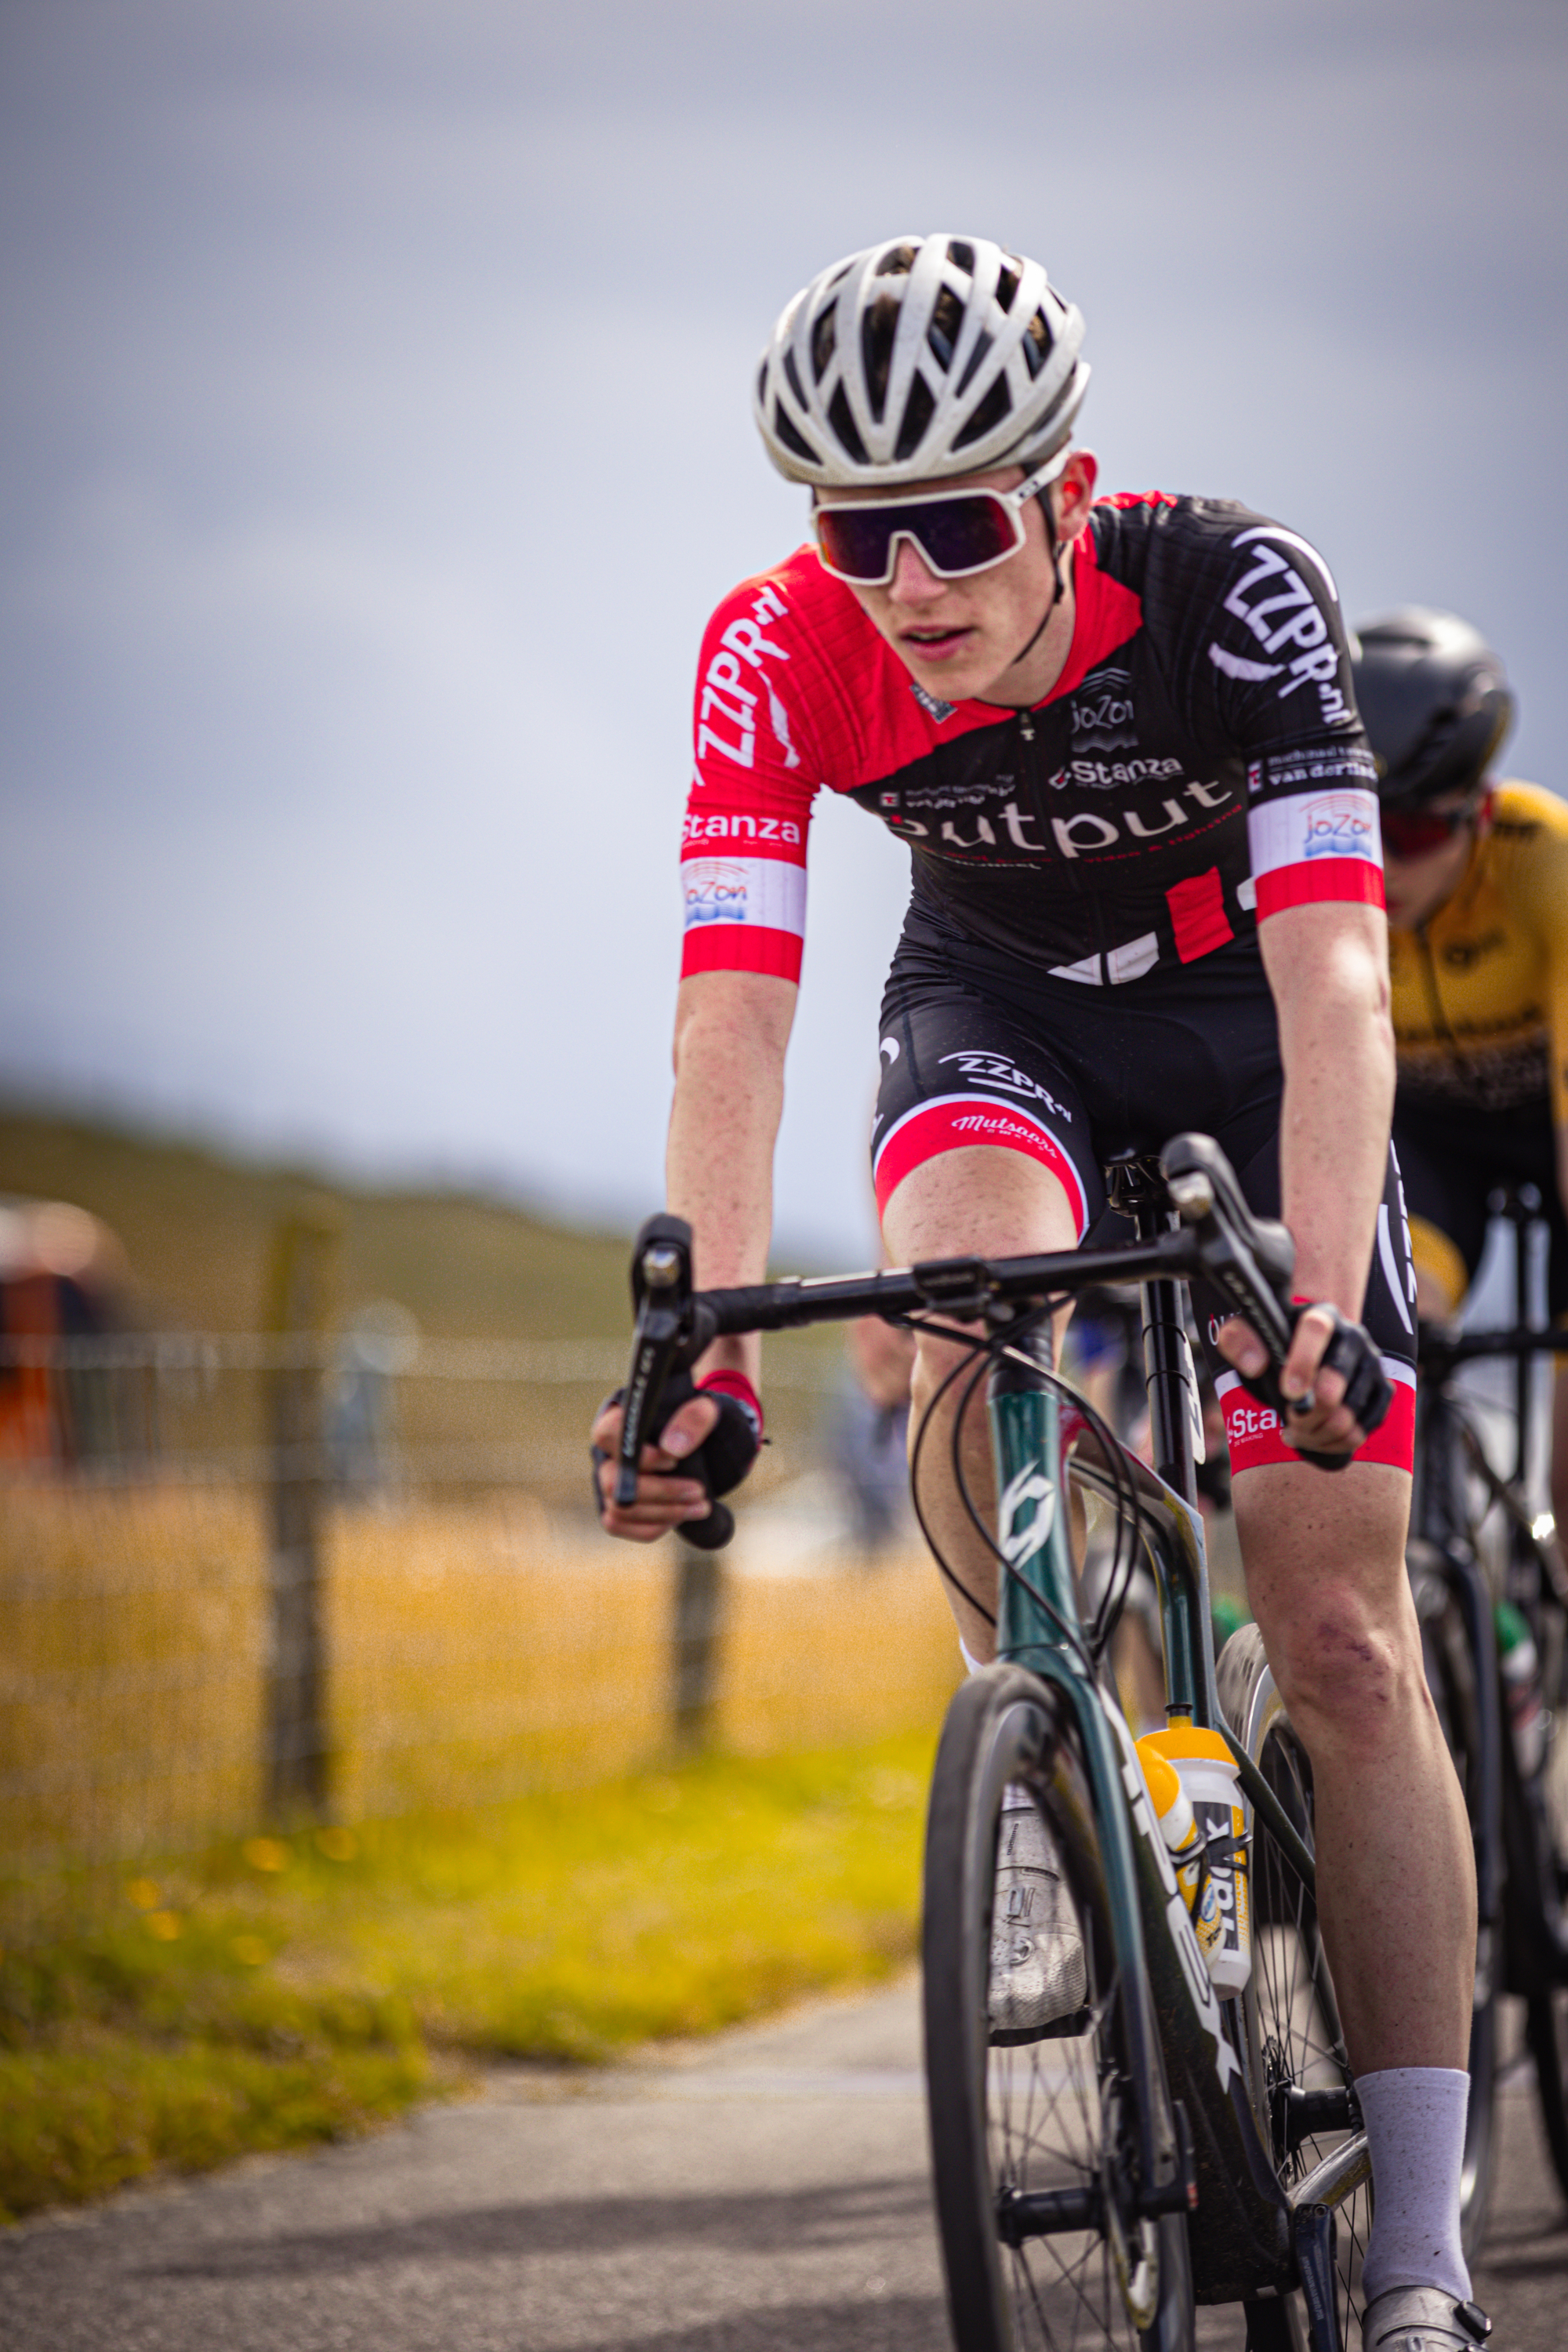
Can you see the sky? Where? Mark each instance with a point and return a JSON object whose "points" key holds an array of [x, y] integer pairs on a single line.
{"points": [[375, 440]]}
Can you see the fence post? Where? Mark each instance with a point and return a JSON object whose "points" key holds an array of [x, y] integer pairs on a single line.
{"points": [[295, 1763], [697, 1620]]}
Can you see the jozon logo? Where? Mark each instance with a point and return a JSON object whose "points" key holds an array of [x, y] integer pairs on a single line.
{"points": [[715, 893], [1339, 824]]}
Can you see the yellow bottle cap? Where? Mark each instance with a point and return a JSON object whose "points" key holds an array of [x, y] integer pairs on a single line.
{"points": [[1164, 1783], [1186, 1740]]}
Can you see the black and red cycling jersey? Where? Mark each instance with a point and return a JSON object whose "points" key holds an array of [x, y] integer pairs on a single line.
{"points": [[1198, 763]]}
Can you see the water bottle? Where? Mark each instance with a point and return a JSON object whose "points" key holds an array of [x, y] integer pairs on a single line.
{"points": [[1522, 1687], [1212, 1785], [1179, 1828]]}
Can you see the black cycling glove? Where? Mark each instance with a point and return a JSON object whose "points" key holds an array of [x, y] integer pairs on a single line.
{"points": [[1353, 1353], [725, 1454]]}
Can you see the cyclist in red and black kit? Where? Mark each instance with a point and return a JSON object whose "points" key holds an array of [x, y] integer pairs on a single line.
{"points": [[1119, 741]]}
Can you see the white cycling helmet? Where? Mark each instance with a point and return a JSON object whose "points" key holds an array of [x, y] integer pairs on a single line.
{"points": [[922, 357]]}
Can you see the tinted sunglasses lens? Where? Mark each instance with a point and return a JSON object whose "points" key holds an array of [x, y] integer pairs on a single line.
{"points": [[963, 534], [854, 541], [954, 535], [1411, 835]]}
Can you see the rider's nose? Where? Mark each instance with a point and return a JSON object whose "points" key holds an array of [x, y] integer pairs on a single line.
{"points": [[913, 581]]}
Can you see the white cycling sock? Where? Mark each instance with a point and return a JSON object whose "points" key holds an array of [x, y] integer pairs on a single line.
{"points": [[972, 1665], [1415, 2118]]}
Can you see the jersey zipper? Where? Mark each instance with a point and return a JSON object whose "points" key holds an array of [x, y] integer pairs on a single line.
{"points": [[1029, 768]]}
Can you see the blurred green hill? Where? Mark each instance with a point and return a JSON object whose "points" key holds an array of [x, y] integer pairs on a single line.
{"points": [[198, 1226]]}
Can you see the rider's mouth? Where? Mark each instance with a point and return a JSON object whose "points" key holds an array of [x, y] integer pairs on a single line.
{"points": [[934, 645]]}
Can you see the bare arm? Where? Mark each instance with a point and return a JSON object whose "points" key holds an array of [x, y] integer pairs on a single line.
{"points": [[1327, 969], [731, 1031]]}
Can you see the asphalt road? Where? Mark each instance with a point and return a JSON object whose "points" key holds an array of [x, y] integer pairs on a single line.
{"points": [[763, 2193]]}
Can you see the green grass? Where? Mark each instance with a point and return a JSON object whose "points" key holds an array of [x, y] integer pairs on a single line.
{"points": [[279, 1994]]}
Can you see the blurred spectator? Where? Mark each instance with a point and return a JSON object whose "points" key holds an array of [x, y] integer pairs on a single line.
{"points": [[380, 1342], [869, 1433], [62, 1276]]}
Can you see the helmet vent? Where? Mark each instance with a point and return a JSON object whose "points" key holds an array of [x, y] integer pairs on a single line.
{"points": [[917, 411], [794, 442], [942, 335], [897, 262], [843, 424], [877, 328], [996, 405], [824, 343], [792, 377], [1007, 286], [1037, 343], [962, 256], [975, 359]]}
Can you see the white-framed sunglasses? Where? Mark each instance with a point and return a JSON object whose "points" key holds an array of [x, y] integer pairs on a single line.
{"points": [[956, 532]]}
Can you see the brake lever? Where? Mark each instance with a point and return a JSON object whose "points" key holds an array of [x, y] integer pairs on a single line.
{"points": [[661, 1294], [672, 1331], [1251, 1258]]}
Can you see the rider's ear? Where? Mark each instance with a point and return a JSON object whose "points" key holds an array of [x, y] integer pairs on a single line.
{"points": [[1075, 492]]}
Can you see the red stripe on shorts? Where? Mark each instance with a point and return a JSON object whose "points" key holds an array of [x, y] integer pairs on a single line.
{"points": [[955, 1122], [1253, 1434]]}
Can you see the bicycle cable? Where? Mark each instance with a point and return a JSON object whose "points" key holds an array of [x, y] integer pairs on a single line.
{"points": [[991, 1348]]}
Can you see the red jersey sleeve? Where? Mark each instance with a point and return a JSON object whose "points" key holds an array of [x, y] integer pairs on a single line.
{"points": [[743, 857]]}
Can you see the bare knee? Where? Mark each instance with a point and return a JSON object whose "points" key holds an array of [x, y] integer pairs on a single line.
{"points": [[1325, 1571], [1344, 1664]]}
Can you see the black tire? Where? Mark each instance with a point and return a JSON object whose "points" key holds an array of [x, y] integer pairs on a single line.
{"points": [[1450, 1664], [1290, 2018], [1012, 2114]]}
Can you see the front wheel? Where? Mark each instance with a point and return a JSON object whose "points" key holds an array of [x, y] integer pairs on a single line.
{"points": [[1031, 2108]]}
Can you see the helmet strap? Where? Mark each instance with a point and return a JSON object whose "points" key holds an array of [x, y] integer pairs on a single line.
{"points": [[1061, 589]]}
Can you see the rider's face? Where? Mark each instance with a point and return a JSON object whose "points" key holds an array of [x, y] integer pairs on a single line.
{"points": [[957, 637], [1414, 888]]}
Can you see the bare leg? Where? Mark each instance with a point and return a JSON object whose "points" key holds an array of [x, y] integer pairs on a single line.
{"points": [[994, 1204], [1325, 1571]]}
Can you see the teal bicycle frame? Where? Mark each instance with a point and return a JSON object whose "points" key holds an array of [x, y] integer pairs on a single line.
{"points": [[1188, 2053]]}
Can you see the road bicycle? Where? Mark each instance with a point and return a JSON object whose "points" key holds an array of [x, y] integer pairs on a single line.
{"points": [[1160, 2146], [1479, 1553]]}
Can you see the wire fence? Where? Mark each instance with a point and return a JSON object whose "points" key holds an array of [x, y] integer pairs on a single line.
{"points": [[256, 1578]]}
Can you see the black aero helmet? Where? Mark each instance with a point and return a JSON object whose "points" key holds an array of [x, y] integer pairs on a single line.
{"points": [[1434, 702]]}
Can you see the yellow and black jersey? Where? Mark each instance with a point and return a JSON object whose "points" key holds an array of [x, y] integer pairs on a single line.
{"points": [[1481, 992]]}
